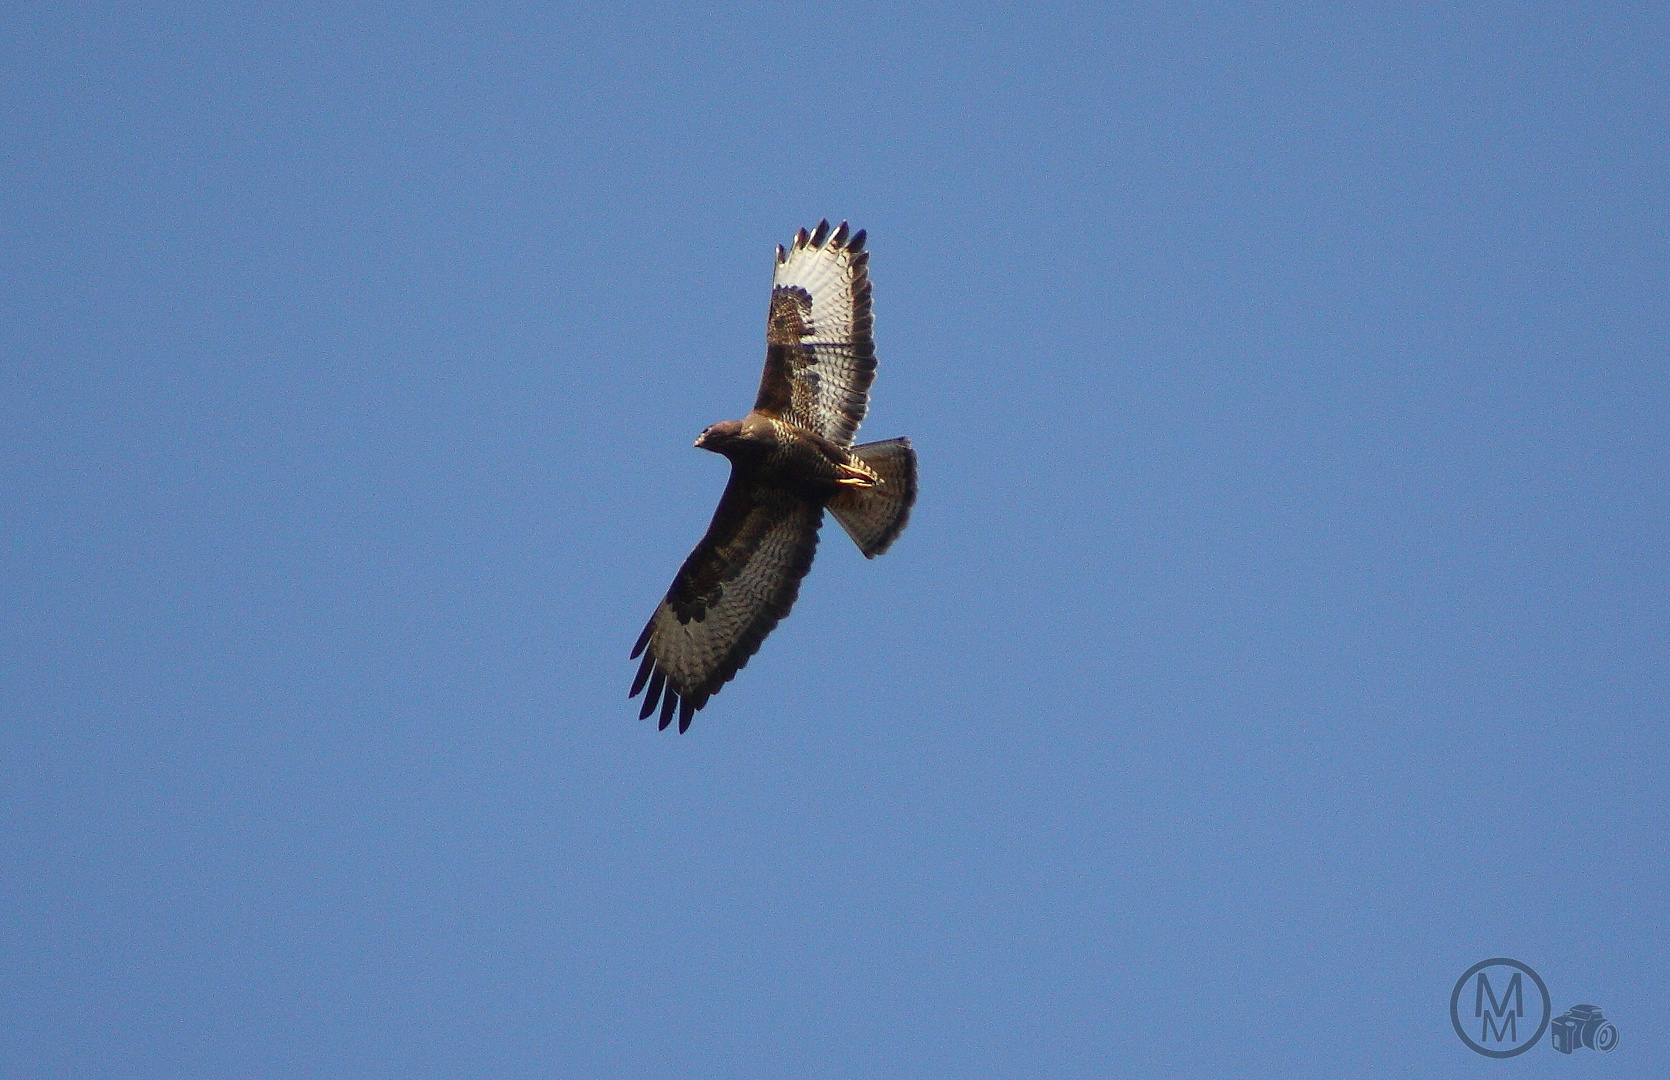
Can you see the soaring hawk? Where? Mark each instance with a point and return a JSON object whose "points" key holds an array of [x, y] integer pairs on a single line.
{"points": [[791, 457]]}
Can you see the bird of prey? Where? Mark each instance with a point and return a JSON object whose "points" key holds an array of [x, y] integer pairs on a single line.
{"points": [[791, 457]]}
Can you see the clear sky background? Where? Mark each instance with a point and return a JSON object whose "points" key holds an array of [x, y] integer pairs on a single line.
{"points": [[1282, 627]]}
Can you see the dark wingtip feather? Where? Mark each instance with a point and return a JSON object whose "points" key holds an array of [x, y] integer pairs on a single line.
{"points": [[687, 709], [856, 244], [821, 233], [643, 674], [643, 639], [668, 704], [800, 239], [782, 256], [840, 236], [652, 699]]}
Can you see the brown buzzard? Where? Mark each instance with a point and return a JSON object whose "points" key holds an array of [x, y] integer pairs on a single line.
{"points": [[791, 457]]}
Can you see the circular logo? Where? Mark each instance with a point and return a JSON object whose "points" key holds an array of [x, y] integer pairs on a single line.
{"points": [[1489, 1001]]}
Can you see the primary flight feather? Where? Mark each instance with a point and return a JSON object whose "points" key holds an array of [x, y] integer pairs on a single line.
{"points": [[791, 457]]}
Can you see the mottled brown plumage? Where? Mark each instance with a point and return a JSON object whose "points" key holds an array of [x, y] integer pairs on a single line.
{"points": [[791, 457]]}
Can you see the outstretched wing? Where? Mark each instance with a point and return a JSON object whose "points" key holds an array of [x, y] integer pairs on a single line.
{"points": [[742, 578], [820, 356]]}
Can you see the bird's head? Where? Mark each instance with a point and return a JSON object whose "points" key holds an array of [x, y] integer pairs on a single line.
{"points": [[720, 437]]}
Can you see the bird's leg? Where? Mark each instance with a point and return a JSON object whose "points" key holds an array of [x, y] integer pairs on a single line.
{"points": [[856, 476]]}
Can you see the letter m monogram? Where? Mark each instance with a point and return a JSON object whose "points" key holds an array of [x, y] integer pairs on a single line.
{"points": [[1508, 1010]]}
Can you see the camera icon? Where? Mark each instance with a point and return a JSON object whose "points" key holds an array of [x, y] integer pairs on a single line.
{"points": [[1583, 1025]]}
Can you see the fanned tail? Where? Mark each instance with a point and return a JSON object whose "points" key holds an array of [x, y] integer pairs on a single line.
{"points": [[874, 517]]}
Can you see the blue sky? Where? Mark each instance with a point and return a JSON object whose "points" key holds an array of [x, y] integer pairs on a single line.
{"points": [[1281, 629]]}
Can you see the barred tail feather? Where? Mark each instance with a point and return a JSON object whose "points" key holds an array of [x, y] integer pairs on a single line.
{"points": [[874, 517]]}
